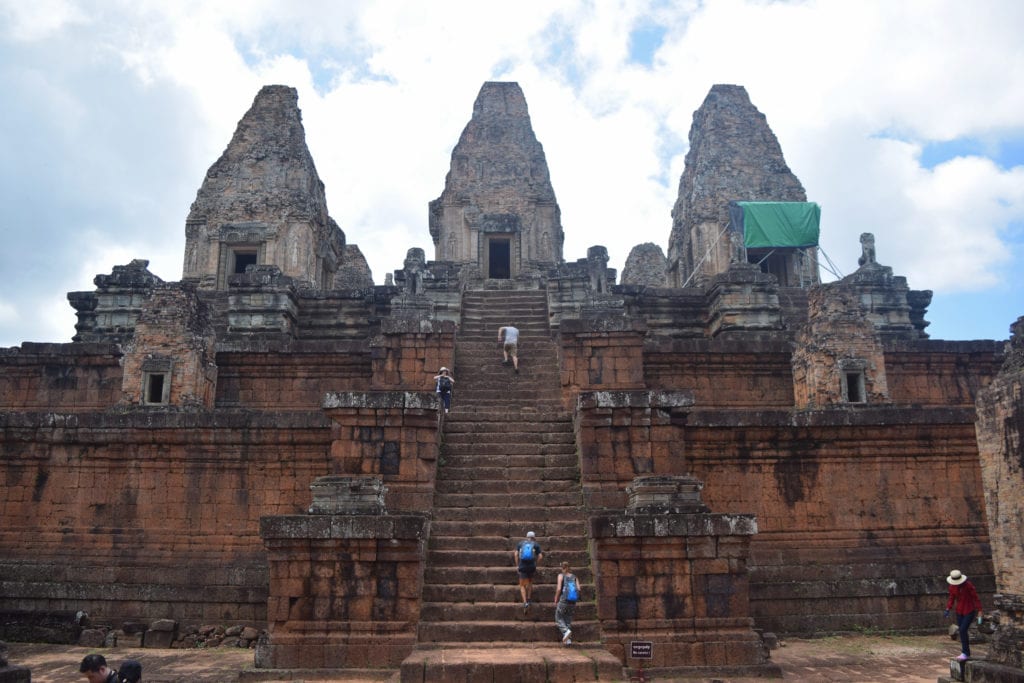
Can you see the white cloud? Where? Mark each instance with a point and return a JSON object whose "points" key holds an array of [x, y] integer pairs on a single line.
{"points": [[8, 313], [117, 110], [37, 20]]}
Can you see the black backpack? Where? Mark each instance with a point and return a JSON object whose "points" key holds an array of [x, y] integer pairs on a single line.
{"points": [[444, 385], [130, 672]]}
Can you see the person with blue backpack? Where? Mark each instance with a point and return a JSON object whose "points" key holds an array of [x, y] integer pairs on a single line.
{"points": [[567, 593], [526, 556]]}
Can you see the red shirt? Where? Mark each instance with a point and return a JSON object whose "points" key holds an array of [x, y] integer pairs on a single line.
{"points": [[965, 597]]}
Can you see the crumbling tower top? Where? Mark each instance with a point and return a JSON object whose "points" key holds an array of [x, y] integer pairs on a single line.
{"points": [[498, 209], [263, 203], [734, 156]]}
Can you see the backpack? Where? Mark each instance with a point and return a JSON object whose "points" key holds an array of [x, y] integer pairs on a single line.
{"points": [[444, 385], [130, 671], [572, 592], [527, 552]]}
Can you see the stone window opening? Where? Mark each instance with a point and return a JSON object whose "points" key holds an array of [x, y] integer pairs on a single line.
{"points": [[242, 258], [156, 381], [853, 389], [235, 258], [156, 388]]}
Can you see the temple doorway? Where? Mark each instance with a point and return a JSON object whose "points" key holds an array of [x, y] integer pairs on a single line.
{"points": [[499, 258]]}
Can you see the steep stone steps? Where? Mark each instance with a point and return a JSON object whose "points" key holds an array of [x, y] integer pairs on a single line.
{"points": [[557, 544], [485, 335], [510, 529], [563, 435], [521, 499], [470, 457], [495, 420], [508, 464], [517, 410], [539, 487], [508, 631], [508, 473], [510, 662], [509, 609], [501, 574], [525, 516], [462, 597], [499, 557], [498, 400], [517, 452]]}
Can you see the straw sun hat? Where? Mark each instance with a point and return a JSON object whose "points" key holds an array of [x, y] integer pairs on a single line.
{"points": [[955, 578]]}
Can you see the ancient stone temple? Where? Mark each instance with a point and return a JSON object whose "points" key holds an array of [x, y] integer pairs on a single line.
{"points": [[719, 445], [734, 156], [263, 203], [1001, 442], [498, 212]]}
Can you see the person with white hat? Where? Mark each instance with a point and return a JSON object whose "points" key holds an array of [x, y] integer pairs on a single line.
{"points": [[963, 594]]}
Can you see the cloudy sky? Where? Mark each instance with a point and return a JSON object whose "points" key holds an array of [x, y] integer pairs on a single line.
{"points": [[904, 119]]}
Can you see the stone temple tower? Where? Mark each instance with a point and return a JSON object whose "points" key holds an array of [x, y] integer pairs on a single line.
{"points": [[734, 157], [498, 211], [263, 203]]}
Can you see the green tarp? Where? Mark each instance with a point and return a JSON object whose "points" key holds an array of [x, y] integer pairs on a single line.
{"points": [[776, 224]]}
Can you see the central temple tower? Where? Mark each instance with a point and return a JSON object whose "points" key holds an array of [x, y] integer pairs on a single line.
{"points": [[498, 211]]}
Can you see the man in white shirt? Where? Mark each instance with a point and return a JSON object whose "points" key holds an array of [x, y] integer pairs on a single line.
{"points": [[510, 348]]}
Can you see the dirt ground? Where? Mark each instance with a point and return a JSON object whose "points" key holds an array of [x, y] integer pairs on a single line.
{"points": [[850, 659]]}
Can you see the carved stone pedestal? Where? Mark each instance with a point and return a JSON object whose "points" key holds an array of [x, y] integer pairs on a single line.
{"points": [[345, 581], [670, 573]]}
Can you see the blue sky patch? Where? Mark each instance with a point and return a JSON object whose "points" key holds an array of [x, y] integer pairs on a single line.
{"points": [[1007, 153], [988, 316], [561, 53], [644, 42]]}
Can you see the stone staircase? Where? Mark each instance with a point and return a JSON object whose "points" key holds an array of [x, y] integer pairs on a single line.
{"points": [[508, 465]]}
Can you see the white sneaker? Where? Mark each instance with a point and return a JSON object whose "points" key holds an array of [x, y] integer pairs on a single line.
{"points": [[567, 638]]}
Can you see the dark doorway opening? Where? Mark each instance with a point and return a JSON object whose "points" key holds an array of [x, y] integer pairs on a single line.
{"points": [[773, 262], [243, 259], [499, 259], [154, 388]]}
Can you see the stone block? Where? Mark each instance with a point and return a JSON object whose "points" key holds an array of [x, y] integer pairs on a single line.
{"points": [[157, 639], [123, 639], [92, 637]]}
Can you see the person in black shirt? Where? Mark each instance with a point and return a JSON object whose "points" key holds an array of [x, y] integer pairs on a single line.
{"points": [[526, 556], [96, 670]]}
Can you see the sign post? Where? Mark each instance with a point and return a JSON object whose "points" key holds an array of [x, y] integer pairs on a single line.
{"points": [[640, 649]]}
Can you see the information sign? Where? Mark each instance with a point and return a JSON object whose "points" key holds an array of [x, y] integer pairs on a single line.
{"points": [[641, 649]]}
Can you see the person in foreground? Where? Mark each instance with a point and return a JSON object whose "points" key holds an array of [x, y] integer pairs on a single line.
{"points": [[963, 595], [95, 669], [567, 592]]}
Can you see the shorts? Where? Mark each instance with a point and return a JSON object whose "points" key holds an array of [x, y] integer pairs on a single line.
{"points": [[527, 571], [511, 349]]}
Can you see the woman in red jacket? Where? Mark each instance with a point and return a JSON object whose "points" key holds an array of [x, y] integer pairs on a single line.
{"points": [[965, 597]]}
